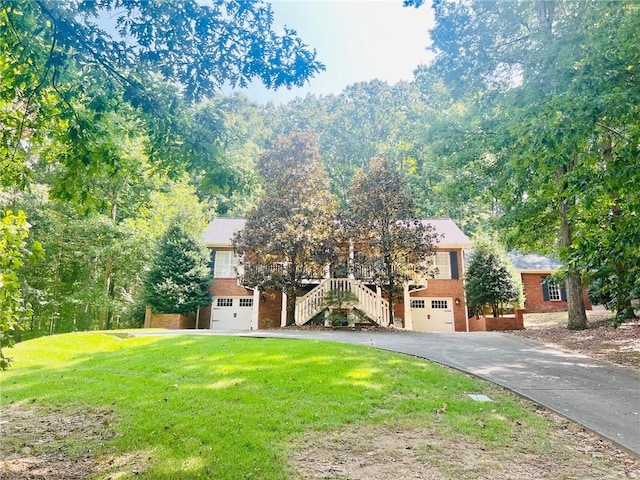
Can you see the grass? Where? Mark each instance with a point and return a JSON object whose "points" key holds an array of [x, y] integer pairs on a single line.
{"points": [[231, 408]]}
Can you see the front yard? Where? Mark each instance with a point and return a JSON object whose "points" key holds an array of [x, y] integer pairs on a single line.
{"points": [[90, 405]]}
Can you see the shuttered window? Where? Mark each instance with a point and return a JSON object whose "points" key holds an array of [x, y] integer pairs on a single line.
{"points": [[225, 265], [442, 262], [552, 292]]}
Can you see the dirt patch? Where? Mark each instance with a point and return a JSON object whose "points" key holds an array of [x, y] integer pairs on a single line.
{"points": [[374, 453], [57, 444], [618, 345]]}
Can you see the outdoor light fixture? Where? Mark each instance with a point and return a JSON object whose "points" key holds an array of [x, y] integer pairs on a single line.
{"points": [[457, 300]]}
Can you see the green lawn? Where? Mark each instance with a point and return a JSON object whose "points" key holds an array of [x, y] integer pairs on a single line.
{"points": [[231, 408]]}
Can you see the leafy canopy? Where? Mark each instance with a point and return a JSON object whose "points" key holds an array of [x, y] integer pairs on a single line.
{"points": [[396, 244]]}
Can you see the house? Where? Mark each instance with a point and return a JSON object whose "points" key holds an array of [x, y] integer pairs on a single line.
{"points": [[542, 293], [436, 304]]}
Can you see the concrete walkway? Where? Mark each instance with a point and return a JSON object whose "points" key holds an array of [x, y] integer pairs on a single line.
{"points": [[601, 396]]}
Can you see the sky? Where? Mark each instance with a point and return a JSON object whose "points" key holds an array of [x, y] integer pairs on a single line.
{"points": [[357, 40]]}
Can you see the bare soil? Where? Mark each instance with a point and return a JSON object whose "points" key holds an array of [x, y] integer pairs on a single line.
{"points": [[601, 340], [68, 444]]}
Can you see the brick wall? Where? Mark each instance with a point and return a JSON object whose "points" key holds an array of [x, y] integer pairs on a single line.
{"points": [[204, 321], [172, 321], [534, 298], [228, 287], [269, 309]]}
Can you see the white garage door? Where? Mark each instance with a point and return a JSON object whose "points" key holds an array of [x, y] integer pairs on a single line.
{"points": [[231, 313], [432, 314]]}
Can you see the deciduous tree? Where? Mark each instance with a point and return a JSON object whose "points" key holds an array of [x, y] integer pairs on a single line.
{"points": [[291, 234], [14, 253], [397, 245]]}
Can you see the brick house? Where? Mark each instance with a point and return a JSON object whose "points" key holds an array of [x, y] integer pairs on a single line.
{"points": [[436, 304], [542, 294]]}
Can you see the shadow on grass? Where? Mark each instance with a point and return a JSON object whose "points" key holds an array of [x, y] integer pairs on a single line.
{"points": [[227, 407]]}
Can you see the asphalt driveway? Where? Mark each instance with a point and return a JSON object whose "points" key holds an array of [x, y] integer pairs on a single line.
{"points": [[601, 396]]}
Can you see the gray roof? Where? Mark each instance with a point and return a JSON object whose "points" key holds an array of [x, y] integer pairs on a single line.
{"points": [[533, 261], [452, 235], [220, 231]]}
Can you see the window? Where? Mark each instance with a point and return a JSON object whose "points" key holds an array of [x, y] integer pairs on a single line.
{"points": [[224, 302], [417, 303], [246, 302], [439, 304], [442, 262], [225, 265], [554, 292]]}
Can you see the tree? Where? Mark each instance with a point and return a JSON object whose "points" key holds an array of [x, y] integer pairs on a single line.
{"points": [[53, 50], [179, 279], [291, 235], [76, 97], [490, 279], [382, 219], [545, 104], [14, 252]]}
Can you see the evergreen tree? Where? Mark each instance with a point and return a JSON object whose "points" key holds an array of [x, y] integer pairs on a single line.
{"points": [[490, 279], [179, 279]]}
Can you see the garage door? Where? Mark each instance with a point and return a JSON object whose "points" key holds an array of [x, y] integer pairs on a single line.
{"points": [[432, 314], [231, 313]]}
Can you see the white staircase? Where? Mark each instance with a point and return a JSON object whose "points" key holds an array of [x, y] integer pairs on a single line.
{"points": [[373, 305]]}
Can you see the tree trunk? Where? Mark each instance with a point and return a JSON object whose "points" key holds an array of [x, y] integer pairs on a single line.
{"points": [[390, 297], [291, 307], [575, 302]]}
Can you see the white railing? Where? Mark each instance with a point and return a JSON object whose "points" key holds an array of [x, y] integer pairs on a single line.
{"points": [[373, 305]]}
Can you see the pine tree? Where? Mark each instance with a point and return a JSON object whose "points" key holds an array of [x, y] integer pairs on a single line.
{"points": [[490, 279], [179, 279]]}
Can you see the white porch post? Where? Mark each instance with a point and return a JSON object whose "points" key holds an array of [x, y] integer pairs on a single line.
{"points": [[408, 321], [351, 264], [211, 316], [255, 310], [283, 310]]}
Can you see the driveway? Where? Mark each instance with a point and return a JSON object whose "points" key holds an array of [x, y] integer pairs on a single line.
{"points": [[601, 396]]}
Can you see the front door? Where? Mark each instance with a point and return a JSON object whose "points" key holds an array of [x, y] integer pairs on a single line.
{"points": [[430, 314], [231, 313]]}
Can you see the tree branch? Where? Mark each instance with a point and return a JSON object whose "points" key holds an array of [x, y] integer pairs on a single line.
{"points": [[614, 131]]}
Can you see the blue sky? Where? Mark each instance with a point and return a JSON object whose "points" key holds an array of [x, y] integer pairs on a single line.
{"points": [[357, 40]]}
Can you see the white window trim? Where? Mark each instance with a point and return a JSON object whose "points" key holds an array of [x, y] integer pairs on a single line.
{"points": [[442, 261], [224, 302], [554, 292], [418, 303], [225, 264]]}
